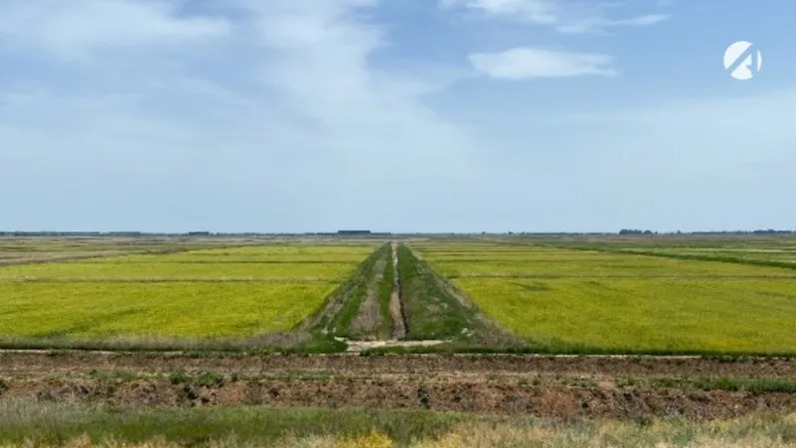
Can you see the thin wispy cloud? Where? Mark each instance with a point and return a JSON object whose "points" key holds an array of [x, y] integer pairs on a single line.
{"points": [[71, 28], [528, 63], [563, 15], [284, 108]]}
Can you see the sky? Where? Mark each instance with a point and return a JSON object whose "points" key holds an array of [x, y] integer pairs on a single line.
{"points": [[395, 115]]}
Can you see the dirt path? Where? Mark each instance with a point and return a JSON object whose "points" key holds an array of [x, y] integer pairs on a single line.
{"points": [[361, 346], [396, 306], [368, 319]]}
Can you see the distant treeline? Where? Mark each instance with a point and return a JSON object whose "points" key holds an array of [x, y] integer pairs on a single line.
{"points": [[636, 232], [186, 234], [734, 232]]}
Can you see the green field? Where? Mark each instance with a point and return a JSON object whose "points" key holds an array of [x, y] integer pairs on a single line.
{"points": [[25, 249], [606, 301], [210, 293], [754, 250], [584, 295]]}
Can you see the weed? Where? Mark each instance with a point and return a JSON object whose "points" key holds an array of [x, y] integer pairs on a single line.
{"points": [[179, 377]]}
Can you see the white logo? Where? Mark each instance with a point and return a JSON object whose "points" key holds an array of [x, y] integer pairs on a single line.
{"points": [[743, 60]]}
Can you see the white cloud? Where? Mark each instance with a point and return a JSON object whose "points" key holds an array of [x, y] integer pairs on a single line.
{"points": [[535, 11], [528, 63], [321, 68], [284, 124], [597, 23], [71, 28], [564, 15]]}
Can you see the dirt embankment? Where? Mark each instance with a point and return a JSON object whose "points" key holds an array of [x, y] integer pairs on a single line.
{"points": [[560, 387], [61, 362], [368, 319], [440, 394]]}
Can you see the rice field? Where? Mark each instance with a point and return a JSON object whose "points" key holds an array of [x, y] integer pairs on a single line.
{"points": [[612, 296], [26, 249], [207, 293], [597, 301]]}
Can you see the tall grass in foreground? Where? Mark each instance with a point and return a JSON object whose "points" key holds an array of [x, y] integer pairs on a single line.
{"points": [[50, 425]]}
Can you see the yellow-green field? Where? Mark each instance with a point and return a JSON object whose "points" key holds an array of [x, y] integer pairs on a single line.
{"points": [[621, 302], [210, 293], [23, 249], [785, 255]]}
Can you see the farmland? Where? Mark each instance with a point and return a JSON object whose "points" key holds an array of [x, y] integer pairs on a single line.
{"points": [[15, 250], [408, 342], [610, 295], [564, 299], [206, 293]]}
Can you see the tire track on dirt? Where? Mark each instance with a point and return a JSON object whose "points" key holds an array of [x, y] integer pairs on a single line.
{"points": [[396, 305], [367, 320]]}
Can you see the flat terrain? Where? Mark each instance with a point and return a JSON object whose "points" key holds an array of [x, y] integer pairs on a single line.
{"points": [[654, 295], [778, 251], [591, 300], [15, 250], [240, 342], [208, 293]]}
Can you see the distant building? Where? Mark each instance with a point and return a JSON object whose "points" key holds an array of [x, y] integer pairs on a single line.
{"points": [[354, 232]]}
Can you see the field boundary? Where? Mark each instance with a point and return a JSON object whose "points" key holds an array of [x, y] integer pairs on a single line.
{"points": [[118, 254]]}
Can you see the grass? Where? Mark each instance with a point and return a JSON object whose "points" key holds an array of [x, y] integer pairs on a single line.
{"points": [[567, 300], [211, 294], [432, 311], [385, 293], [60, 423], [348, 313], [49, 425], [351, 299]]}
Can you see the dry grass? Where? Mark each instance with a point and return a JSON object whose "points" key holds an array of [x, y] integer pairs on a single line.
{"points": [[346, 429]]}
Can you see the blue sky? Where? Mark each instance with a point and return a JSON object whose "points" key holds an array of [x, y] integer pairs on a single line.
{"points": [[399, 115]]}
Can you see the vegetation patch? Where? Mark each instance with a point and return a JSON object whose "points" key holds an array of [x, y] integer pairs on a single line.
{"points": [[434, 309], [570, 300], [46, 425], [208, 297]]}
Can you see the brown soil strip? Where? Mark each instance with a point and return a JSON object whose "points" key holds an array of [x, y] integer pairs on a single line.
{"points": [[23, 362], [366, 323], [547, 397], [396, 304]]}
